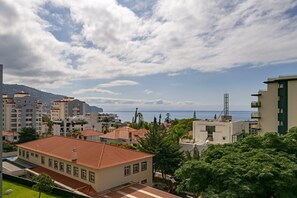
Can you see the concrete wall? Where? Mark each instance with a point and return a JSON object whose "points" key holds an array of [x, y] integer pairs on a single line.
{"points": [[292, 104]]}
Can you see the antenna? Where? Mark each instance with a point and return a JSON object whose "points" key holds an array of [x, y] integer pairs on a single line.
{"points": [[226, 104]]}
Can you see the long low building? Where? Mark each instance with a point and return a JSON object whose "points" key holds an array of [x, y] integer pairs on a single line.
{"points": [[99, 165]]}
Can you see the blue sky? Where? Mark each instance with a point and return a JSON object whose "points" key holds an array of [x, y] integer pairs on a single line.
{"points": [[154, 55]]}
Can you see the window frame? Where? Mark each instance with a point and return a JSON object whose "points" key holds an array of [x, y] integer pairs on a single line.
{"points": [[68, 169], [127, 170], [83, 174], [144, 166], [135, 168], [61, 166], [75, 171], [91, 176]]}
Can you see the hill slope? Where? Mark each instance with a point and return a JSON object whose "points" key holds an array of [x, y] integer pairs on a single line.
{"points": [[45, 97]]}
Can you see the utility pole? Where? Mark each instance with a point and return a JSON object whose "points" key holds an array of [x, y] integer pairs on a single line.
{"points": [[1, 126]]}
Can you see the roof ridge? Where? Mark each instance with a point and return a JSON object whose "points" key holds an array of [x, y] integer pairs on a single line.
{"points": [[101, 155]]}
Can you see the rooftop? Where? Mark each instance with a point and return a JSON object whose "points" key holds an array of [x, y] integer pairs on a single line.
{"points": [[123, 133], [90, 132], [91, 154], [281, 78]]}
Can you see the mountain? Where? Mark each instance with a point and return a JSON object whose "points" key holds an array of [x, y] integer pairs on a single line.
{"points": [[45, 97]]}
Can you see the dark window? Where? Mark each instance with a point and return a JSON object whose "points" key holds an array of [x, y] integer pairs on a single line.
{"points": [[91, 176], [62, 166], [127, 170], [20, 152], [68, 169], [42, 160], [56, 164], [224, 138], [143, 166], [32, 154], [36, 155], [84, 174], [75, 171], [50, 162], [210, 130], [135, 168], [27, 155]]}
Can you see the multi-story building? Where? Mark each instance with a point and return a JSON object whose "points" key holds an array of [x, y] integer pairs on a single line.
{"points": [[218, 132], [20, 111], [102, 121], [66, 126], [277, 106], [99, 165], [67, 107]]}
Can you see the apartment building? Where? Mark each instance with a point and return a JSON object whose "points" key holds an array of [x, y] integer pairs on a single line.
{"points": [[67, 107], [102, 121], [277, 106], [92, 163], [20, 111], [218, 132]]}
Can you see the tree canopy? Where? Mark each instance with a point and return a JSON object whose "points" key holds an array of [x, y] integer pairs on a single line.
{"points": [[256, 166], [44, 183], [27, 134]]}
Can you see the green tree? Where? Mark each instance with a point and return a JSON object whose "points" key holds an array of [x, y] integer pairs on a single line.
{"points": [[256, 166], [44, 183], [75, 133], [49, 124], [27, 134], [167, 156], [192, 155]]}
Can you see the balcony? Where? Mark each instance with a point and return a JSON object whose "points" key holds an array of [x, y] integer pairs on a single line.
{"points": [[256, 115], [255, 104], [256, 126]]}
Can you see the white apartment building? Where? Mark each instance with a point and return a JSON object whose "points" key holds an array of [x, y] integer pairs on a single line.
{"points": [[67, 107], [218, 132], [20, 111], [277, 106], [102, 121]]}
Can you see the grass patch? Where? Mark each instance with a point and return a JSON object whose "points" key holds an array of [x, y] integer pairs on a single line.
{"points": [[21, 191]]}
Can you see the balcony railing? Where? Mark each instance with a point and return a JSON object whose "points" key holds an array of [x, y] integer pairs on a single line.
{"points": [[256, 115], [256, 126], [256, 104]]}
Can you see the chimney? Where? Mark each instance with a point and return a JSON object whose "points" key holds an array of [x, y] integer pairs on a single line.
{"points": [[74, 155]]}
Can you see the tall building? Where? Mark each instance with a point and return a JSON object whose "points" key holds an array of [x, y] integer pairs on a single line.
{"points": [[277, 106], [20, 111], [67, 107]]}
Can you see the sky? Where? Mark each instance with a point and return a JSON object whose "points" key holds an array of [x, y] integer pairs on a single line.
{"points": [[150, 54]]}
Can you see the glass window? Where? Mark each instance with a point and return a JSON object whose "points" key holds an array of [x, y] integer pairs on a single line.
{"points": [[36, 155], [91, 176], [20, 152], [62, 166], [75, 171], [32, 154], [50, 162], [68, 169], [84, 174], [127, 170], [135, 168], [56, 164], [143, 166], [27, 155], [42, 160]]}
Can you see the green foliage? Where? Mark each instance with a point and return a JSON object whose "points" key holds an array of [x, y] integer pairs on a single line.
{"points": [[167, 154], [75, 133], [8, 147], [256, 166], [122, 145], [180, 129], [44, 183], [192, 155], [27, 134]]}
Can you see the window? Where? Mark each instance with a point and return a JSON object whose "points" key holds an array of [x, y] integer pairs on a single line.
{"points": [[50, 162], [91, 176], [83, 174], [75, 171], [144, 181], [68, 169], [42, 160], [210, 130], [224, 138], [62, 166], [127, 170], [36, 155], [20, 152], [143, 166], [56, 164], [27, 155], [32, 154], [135, 168]]}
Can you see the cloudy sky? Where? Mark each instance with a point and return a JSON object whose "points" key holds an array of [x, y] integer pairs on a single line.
{"points": [[182, 54]]}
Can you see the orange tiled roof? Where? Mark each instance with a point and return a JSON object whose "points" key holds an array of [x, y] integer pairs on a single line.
{"points": [[75, 184], [91, 154], [123, 133], [90, 132], [137, 191]]}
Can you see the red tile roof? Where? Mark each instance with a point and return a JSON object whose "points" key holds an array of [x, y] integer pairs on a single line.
{"points": [[137, 191], [91, 154], [72, 183], [123, 133], [90, 132]]}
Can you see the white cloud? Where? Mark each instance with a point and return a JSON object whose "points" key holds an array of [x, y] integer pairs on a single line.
{"points": [[110, 40], [119, 83], [173, 74], [147, 91], [94, 90]]}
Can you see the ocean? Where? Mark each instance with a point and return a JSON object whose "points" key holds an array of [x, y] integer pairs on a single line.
{"points": [[149, 115]]}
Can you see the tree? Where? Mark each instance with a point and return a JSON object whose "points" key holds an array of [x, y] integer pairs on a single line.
{"points": [[257, 166], [167, 156], [27, 134], [192, 155], [75, 133], [44, 183], [49, 124]]}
